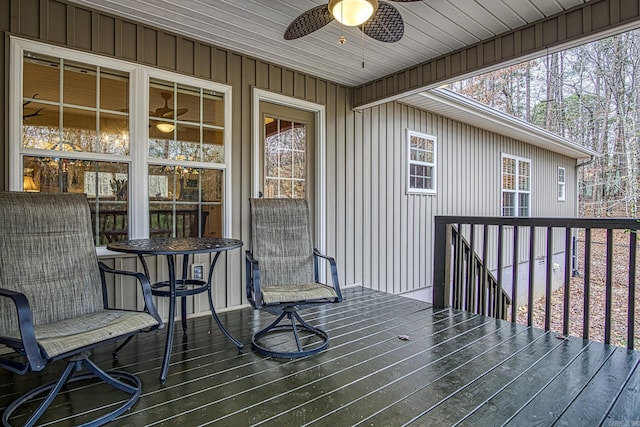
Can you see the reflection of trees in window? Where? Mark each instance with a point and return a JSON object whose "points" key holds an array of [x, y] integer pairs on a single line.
{"points": [[285, 158]]}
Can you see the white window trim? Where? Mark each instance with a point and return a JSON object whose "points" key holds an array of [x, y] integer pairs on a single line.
{"points": [[562, 184], [138, 152], [516, 191], [434, 165]]}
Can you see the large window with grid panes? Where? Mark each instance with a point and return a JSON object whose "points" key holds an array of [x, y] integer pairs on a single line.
{"points": [[149, 148], [516, 186]]}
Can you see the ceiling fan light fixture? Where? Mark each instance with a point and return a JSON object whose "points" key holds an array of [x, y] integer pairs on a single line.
{"points": [[165, 127], [352, 12]]}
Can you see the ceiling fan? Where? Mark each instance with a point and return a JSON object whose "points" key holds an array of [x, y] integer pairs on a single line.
{"points": [[377, 19], [165, 112]]}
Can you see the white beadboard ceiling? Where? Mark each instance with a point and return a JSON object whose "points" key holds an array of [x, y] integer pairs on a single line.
{"points": [[256, 28]]}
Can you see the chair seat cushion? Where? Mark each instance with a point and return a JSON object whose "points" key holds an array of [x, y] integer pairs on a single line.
{"points": [[302, 292], [71, 334]]}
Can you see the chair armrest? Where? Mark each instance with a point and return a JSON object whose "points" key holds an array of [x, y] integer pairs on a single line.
{"points": [[27, 342], [334, 270], [254, 293], [149, 306]]}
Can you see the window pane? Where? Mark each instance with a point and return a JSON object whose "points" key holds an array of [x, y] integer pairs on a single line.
{"points": [[73, 125], [299, 165], [523, 175], [114, 91], [104, 183], [41, 77], [78, 130], [523, 204], [212, 108], [284, 157], [80, 82], [185, 202], [420, 177], [508, 204], [188, 108], [508, 166], [41, 126], [212, 145], [159, 142], [114, 134], [212, 185], [188, 143]]}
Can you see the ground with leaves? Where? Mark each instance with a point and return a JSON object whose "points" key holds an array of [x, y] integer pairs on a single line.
{"points": [[597, 292]]}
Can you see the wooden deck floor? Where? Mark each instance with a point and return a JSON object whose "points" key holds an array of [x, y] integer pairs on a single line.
{"points": [[455, 369]]}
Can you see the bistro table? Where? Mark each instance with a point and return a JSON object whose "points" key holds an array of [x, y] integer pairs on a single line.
{"points": [[183, 287]]}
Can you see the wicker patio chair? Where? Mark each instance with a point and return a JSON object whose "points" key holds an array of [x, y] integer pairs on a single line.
{"points": [[53, 301], [283, 278]]}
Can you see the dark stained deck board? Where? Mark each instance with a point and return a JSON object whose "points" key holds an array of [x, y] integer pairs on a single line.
{"points": [[457, 367]]}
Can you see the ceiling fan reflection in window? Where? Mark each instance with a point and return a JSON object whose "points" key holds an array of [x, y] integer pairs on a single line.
{"points": [[165, 112], [377, 19]]}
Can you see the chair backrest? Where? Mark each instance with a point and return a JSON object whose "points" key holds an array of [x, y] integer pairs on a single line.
{"points": [[282, 243], [47, 252]]}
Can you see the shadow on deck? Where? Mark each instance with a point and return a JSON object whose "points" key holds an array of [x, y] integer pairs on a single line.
{"points": [[456, 368]]}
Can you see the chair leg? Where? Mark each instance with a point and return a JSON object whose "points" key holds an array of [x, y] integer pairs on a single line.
{"points": [[112, 377], [115, 352], [296, 325]]}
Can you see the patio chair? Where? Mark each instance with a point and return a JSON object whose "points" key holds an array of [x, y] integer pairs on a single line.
{"points": [[53, 300], [283, 278]]}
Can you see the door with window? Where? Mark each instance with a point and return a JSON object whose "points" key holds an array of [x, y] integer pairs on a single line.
{"points": [[286, 166]]}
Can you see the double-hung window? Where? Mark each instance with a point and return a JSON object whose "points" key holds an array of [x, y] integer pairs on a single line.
{"points": [[562, 184], [421, 167], [149, 148], [516, 186]]}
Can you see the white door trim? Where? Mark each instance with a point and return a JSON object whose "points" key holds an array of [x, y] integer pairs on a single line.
{"points": [[260, 95]]}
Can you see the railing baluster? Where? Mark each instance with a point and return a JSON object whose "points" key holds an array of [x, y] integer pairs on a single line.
{"points": [[498, 292], [587, 285], [567, 280], [608, 288], [471, 275], [514, 275], [483, 287], [532, 265], [548, 280], [632, 289], [442, 262], [458, 254]]}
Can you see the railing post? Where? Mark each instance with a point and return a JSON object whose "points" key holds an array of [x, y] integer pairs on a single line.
{"points": [[441, 264]]}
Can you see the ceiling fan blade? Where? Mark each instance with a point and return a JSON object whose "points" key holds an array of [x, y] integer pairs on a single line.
{"points": [[386, 25], [171, 114], [404, 1], [308, 22]]}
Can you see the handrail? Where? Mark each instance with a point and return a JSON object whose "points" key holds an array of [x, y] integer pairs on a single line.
{"points": [[447, 291]]}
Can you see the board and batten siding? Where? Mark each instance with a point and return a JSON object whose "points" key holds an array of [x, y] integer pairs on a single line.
{"points": [[380, 236], [395, 229]]}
